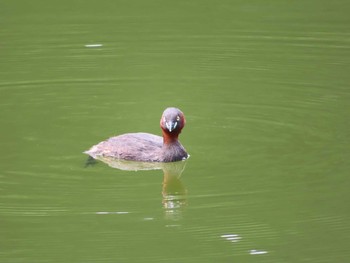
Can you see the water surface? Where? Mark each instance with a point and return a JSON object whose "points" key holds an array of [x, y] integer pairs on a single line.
{"points": [[265, 90]]}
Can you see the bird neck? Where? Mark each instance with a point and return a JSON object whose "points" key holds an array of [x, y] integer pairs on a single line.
{"points": [[170, 138]]}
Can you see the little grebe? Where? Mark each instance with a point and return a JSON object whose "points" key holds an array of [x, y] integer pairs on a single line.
{"points": [[145, 147]]}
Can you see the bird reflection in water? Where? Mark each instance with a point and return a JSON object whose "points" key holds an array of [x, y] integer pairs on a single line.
{"points": [[174, 191]]}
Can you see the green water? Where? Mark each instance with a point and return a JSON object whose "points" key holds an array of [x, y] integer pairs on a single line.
{"points": [[265, 89]]}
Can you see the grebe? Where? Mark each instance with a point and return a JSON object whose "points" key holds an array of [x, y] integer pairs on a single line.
{"points": [[146, 147]]}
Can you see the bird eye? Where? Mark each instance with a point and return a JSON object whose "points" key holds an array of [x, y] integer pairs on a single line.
{"points": [[177, 118]]}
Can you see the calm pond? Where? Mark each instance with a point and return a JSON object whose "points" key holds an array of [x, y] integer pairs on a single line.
{"points": [[264, 86]]}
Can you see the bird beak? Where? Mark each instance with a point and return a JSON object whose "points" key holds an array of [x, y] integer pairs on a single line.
{"points": [[171, 125]]}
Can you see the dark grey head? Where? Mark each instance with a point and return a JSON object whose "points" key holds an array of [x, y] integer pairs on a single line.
{"points": [[172, 121]]}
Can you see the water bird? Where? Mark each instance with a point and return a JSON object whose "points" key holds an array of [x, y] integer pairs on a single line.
{"points": [[146, 147]]}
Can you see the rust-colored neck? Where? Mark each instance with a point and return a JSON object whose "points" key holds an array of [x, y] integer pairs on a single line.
{"points": [[169, 138]]}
